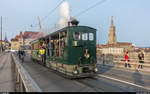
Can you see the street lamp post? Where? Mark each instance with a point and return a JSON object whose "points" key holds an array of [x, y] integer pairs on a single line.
{"points": [[1, 34]]}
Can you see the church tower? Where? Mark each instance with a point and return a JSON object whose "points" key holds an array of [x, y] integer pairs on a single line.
{"points": [[112, 39]]}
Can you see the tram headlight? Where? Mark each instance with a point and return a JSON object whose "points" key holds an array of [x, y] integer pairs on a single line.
{"points": [[95, 70], [75, 72]]}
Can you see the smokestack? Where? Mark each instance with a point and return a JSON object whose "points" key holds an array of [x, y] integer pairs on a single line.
{"points": [[69, 23], [74, 22]]}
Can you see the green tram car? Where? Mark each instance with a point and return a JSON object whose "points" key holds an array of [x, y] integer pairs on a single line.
{"points": [[71, 51]]}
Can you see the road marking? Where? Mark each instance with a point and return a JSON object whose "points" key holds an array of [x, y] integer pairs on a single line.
{"points": [[124, 82]]}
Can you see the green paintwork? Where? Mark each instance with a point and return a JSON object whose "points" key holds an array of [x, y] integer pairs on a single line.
{"points": [[72, 53]]}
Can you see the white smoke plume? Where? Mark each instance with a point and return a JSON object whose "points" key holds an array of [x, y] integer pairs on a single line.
{"points": [[65, 14], [63, 22]]}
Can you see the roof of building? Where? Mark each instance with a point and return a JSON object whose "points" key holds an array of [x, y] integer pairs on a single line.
{"points": [[118, 44], [6, 41], [14, 39], [124, 43], [27, 34]]}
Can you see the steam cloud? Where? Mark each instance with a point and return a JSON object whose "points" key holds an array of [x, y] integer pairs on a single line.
{"points": [[65, 14], [63, 22]]}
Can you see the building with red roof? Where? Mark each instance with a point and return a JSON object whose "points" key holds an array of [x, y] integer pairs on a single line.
{"points": [[23, 40]]}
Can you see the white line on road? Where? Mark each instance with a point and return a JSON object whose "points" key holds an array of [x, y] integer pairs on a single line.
{"points": [[124, 82]]}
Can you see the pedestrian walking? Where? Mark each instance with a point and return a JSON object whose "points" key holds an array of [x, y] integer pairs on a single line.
{"points": [[141, 59], [22, 55], [19, 53], [126, 57], [103, 55]]}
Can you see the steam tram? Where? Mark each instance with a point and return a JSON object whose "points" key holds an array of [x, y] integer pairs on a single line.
{"points": [[70, 51]]}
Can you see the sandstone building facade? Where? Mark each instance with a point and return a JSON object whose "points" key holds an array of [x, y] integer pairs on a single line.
{"points": [[5, 44], [22, 40]]}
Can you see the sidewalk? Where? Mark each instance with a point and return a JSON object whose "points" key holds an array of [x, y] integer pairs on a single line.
{"points": [[7, 82], [1, 54], [121, 66]]}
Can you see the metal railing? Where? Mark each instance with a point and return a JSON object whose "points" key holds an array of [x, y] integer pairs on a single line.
{"points": [[24, 82], [119, 60], [133, 62]]}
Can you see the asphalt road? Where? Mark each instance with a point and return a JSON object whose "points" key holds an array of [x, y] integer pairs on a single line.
{"points": [[49, 81], [135, 80], [109, 79], [6, 76]]}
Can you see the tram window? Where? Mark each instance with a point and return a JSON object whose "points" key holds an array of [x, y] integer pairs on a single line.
{"points": [[84, 36], [91, 36], [76, 35]]}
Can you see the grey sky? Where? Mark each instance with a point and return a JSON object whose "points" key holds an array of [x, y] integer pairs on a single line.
{"points": [[131, 17]]}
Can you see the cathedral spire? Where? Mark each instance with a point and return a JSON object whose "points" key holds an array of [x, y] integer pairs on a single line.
{"points": [[112, 39], [112, 21]]}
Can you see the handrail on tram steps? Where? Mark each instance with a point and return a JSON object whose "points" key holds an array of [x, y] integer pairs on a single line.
{"points": [[24, 82]]}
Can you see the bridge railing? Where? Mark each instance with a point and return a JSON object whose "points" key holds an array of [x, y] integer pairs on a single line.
{"points": [[24, 82], [133, 62], [119, 60]]}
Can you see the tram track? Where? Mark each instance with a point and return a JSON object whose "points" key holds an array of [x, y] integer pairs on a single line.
{"points": [[84, 82], [100, 85], [87, 82], [95, 84], [135, 80], [125, 84]]}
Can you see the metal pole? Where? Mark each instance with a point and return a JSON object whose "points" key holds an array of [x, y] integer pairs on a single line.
{"points": [[1, 33], [59, 44]]}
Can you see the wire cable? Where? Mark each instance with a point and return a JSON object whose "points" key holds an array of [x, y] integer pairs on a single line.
{"points": [[102, 1], [52, 10], [48, 14]]}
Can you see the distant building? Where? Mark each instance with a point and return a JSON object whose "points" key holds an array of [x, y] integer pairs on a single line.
{"points": [[5, 43], [112, 46], [23, 40]]}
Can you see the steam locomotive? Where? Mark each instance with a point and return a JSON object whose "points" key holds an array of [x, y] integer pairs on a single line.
{"points": [[70, 51]]}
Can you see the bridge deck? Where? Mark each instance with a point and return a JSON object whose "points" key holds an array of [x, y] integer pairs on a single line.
{"points": [[48, 80], [7, 82]]}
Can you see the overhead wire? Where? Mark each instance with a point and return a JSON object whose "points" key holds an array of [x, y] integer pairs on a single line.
{"points": [[93, 6], [49, 13], [52, 10], [100, 2]]}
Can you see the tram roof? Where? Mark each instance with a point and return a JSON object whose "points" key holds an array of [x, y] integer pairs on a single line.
{"points": [[60, 30]]}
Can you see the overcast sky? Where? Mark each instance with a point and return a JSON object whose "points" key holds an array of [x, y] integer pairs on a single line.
{"points": [[131, 17]]}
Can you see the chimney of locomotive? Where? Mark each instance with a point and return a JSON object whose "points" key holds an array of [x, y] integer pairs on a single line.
{"points": [[74, 22], [69, 23]]}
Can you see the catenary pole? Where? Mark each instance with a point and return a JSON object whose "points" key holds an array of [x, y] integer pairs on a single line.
{"points": [[1, 33]]}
